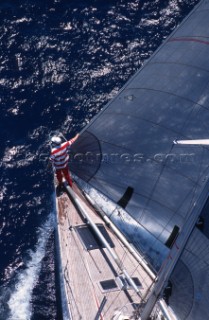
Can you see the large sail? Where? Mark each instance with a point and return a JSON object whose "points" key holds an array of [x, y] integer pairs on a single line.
{"points": [[127, 151]]}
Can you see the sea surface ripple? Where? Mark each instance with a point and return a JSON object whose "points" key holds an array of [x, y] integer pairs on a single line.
{"points": [[60, 62]]}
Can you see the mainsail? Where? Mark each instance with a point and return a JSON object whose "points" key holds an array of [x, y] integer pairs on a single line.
{"points": [[127, 151]]}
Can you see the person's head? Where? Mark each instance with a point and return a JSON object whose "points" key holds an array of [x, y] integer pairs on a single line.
{"points": [[56, 140]]}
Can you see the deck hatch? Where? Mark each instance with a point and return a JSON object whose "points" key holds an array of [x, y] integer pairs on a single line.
{"points": [[125, 285], [119, 283], [137, 282], [108, 285], [89, 239]]}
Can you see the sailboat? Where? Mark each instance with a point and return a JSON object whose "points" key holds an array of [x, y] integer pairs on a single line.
{"points": [[139, 249]]}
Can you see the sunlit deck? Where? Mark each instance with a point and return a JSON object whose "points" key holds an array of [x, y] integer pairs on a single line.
{"points": [[94, 284]]}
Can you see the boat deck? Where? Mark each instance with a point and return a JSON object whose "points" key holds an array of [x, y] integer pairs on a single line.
{"points": [[94, 285]]}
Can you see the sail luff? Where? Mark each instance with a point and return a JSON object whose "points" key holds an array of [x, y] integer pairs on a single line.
{"points": [[175, 253]]}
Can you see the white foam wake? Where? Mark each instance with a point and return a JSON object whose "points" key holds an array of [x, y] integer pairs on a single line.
{"points": [[20, 300]]}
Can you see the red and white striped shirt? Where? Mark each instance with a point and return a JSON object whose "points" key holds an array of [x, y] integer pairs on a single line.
{"points": [[59, 155]]}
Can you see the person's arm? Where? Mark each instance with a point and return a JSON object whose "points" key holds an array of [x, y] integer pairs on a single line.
{"points": [[76, 136], [73, 139]]}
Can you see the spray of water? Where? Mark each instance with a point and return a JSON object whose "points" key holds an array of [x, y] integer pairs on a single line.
{"points": [[20, 300]]}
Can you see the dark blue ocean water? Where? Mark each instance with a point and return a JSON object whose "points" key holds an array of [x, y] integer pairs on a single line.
{"points": [[60, 62]]}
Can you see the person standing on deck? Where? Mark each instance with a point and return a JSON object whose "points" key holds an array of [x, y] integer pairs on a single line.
{"points": [[59, 158]]}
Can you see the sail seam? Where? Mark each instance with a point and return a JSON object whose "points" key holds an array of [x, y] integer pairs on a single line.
{"points": [[199, 36], [188, 39], [180, 64], [167, 166], [170, 93], [154, 123], [149, 121]]}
